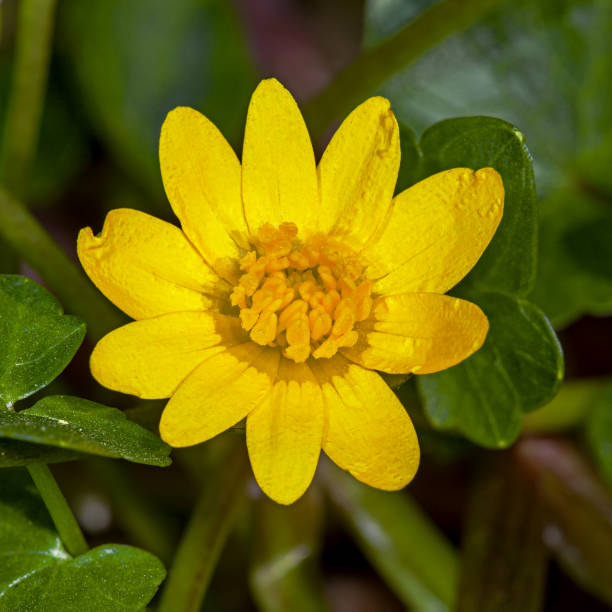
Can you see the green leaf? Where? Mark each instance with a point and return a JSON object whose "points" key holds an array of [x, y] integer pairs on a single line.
{"points": [[412, 158], [518, 369], [599, 426], [14, 453], [508, 264], [400, 541], [37, 574], [37, 341], [80, 425], [283, 572], [129, 81], [575, 275]]}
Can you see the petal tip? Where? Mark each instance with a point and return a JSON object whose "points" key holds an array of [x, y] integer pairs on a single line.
{"points": [[85, 236], [382, 103], [178, 113], [491, 179], [284, 497], [272, 86], [171, 436]]}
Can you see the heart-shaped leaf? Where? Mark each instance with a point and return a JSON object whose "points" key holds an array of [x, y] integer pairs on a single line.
{"points": [[81, 425], [37, 341], [518, 369], [37, 574]]}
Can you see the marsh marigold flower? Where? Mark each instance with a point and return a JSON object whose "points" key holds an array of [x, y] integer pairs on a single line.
{"points": [[289, 286]]}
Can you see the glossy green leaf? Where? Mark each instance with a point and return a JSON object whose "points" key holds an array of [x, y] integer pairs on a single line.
{"points": [[37, 341], [37, 574], [518, 369], [599, 425], [14, 453], [410, 168], [503, 555], [575, 275], [134, 62], [508, 264], [80, 425], [285, 555], [400, 541]]}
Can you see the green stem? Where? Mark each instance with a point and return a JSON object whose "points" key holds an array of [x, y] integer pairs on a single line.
{"points": [[205, 535], [401, 542], [27, 236], [58, 507], [25, 104], [504, 560], [284, 568], [374, 67]]}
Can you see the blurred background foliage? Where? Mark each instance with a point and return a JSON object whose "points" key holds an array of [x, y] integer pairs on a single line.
{"points": [[527, 528]]}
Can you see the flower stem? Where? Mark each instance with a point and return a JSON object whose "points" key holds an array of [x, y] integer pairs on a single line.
{"points": [[25, 104], [285, 559], [25, 234], [207, 531], [402, 543], [58, 507], [374, 67]]}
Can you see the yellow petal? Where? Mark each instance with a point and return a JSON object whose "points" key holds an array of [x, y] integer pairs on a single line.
{"points": [[219, 393], [369, 433], [358, 171], [150, 358], [279, 178], [147, 267], [418, 332], [284, 434], [201, 175], [437, 231]]}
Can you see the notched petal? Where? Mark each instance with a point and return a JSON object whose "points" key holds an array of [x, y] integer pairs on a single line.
{"points": [[147, 267]]}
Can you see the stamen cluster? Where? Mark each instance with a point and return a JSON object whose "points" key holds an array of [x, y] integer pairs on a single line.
{"points": [[304, 298]]}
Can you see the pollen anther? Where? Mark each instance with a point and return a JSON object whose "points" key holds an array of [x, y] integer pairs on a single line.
{"points": [[304, 298]]}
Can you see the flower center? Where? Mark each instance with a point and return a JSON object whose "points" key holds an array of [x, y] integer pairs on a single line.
{"points": [[304, 298]]}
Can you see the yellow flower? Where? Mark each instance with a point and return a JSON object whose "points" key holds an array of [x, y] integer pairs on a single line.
{"points": [[288, 286]]}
